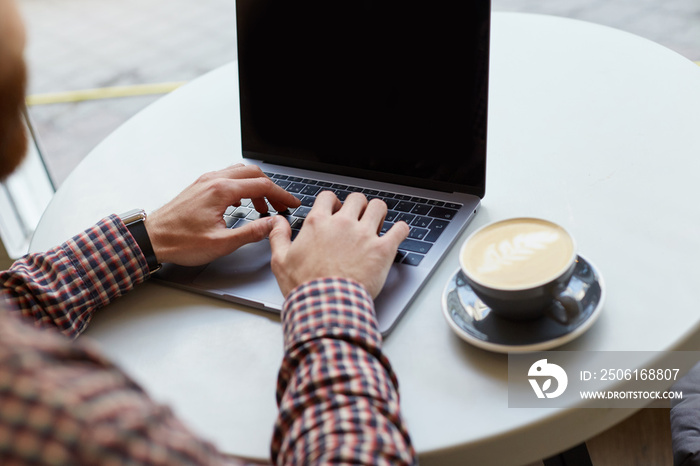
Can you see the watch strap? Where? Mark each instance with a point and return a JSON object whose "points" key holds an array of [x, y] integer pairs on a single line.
{"points": [[135, 222]]}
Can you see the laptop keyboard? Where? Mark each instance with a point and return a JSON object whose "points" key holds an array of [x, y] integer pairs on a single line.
{"points": [[427, 218]]}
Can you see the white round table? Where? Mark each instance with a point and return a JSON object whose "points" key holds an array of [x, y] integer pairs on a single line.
{"points": [[591, 127]]}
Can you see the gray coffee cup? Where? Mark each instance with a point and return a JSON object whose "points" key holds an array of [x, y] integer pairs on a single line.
{"points": [[520, 268]]}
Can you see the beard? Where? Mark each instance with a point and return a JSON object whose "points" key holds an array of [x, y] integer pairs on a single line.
{"points": [[13, 136]]}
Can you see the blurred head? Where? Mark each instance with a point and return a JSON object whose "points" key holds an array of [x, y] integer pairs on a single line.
{"points": [[13, 140]]}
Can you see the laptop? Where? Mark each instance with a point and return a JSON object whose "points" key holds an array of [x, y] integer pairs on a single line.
{"points": [[387, 98]]}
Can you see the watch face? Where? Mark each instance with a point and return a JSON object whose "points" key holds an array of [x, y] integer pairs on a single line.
{"points": [[132, 216]]}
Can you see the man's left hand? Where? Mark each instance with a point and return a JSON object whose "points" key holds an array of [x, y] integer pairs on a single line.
{"points": [[190, 229]]}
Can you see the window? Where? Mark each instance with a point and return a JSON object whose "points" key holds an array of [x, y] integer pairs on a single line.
{"points": [[23, 198]]}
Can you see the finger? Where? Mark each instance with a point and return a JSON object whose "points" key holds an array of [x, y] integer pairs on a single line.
{"points": [[280, 207], [397, 233], [280, 238], [250, 233], [223, 173], [260, 205], [326, 203], [235, 166], [354, 205], [257, 188], [239, 171], [374, 214]]}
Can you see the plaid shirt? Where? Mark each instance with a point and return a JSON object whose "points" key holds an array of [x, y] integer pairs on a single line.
{"points": [[61, 402]]}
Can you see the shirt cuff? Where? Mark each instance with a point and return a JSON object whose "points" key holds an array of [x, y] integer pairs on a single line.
{"points": [[108, 260], [330, 307]]}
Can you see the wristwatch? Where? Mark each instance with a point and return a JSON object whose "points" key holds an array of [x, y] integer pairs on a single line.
{"points": [[135, 222]]}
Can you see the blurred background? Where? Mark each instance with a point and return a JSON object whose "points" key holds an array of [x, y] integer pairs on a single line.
{"points": [[122, 48], [95, 63]]}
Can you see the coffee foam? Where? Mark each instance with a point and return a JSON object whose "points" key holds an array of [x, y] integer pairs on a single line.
{"points": [[517, 254]]}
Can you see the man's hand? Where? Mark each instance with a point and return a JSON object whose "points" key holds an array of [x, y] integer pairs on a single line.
{"points": [[190, 229], [337, 241]]}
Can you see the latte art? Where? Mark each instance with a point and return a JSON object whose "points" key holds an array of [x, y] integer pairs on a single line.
{"points": [[518, 253], [501, 255]]}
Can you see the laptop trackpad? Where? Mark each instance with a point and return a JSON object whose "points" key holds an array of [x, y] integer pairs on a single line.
{"points": [[244, 273]]}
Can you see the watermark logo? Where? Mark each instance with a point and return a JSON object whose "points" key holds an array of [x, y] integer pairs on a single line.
{"points": [[597, 379], [543, 370]]}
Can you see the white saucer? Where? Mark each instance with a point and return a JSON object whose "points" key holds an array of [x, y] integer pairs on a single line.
{"points": [[474, 322]]}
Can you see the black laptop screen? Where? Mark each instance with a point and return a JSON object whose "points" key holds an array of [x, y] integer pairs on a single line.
{"points": [[388, 90]]}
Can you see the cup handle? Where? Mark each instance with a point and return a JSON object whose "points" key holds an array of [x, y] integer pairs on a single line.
{"points": [[565, 309]]}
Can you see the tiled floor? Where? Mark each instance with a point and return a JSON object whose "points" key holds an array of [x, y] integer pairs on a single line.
{"points": [[85, 44]]}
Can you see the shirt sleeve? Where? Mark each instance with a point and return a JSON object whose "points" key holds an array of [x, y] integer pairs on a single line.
{"points": [[337, 394], [64, 286], [63, 403]]}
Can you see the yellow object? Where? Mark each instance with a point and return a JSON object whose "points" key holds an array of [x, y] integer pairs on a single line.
{"points": [[109, 93], [102, 93]]}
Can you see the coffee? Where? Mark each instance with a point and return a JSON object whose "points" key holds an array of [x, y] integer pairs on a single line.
{"points": [[517, 254]]}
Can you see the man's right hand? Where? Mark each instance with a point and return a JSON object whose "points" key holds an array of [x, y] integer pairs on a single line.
{"points": [[337, 240]]}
